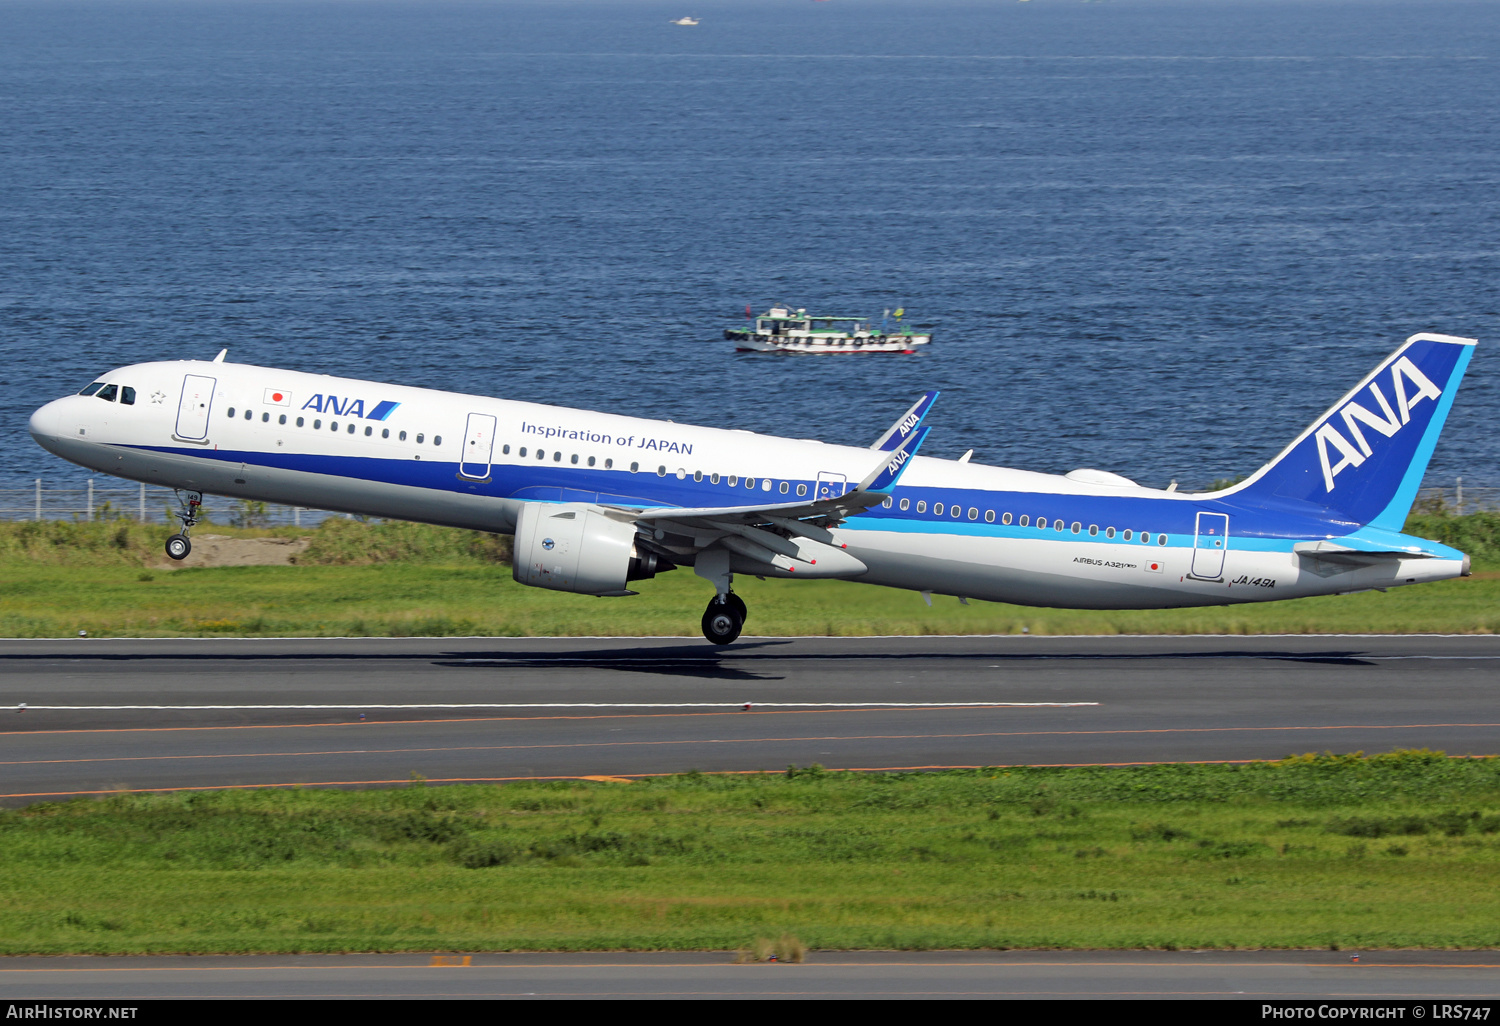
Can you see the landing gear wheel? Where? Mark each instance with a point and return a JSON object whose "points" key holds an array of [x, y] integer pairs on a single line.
{"points": [[738, 605], [178, 547], [722, 623]]}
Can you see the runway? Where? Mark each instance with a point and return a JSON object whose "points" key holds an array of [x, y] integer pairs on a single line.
{"points": [[1323, 977], [107, 715]]}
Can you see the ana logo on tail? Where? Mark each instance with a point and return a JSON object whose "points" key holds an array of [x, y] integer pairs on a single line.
{"points": [[1404, 374]]}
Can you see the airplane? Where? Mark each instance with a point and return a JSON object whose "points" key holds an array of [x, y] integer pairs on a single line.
{"points": [[597, 501]]}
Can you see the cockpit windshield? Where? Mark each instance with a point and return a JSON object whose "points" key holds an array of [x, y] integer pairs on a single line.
{"points": [[90, 390]]}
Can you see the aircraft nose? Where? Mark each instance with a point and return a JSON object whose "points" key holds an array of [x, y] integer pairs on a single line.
{"points": [[46, 424]]}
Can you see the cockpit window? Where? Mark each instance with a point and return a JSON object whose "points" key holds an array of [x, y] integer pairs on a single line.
{"points": [[127, 395], [108, 393], [92, 388]]}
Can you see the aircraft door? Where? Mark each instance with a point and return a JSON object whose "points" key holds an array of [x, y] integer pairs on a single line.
{"points": [[479, 446], [831, 486], [193, 407], [1209, 545]]}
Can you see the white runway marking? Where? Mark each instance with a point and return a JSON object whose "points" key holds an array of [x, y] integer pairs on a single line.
{"points": [[574, 705]]}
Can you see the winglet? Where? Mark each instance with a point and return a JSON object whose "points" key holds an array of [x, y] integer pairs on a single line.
{"points": [[883, 478], [902, 429]]}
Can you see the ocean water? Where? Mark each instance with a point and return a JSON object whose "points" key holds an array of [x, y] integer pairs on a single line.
{"points": [[1152, 236]]}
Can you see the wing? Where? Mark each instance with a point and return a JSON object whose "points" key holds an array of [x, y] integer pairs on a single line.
{"points": [[909, 422], [775, 539]]}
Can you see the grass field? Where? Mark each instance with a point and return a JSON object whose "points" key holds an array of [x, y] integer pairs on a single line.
{"points": [[395, 579], [1399, 850]]}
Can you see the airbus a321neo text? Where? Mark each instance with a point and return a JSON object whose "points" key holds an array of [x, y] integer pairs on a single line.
{"points": [[596, 501]]}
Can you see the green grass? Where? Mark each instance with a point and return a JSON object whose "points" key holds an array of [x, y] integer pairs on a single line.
{"points": [[1400, 850], [397, 579]]}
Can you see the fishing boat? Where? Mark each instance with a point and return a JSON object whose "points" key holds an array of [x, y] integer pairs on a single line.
{"points": [[684, 21], [782, 329]]}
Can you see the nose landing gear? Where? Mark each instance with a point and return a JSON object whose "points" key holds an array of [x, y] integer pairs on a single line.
{"points": [[724, 618], [178, 546]]}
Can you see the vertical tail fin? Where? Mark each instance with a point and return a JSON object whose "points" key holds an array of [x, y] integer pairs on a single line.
{"points": [[1364, 459]]}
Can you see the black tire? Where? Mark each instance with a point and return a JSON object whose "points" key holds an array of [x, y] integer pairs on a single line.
{"points": [[178, 546], [721, 623], [738, 605]]}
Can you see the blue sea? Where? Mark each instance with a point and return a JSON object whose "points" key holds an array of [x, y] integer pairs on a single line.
{"points": [[1156, 237]]}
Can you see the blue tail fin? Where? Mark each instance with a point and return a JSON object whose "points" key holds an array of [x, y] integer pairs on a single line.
{"points": [[1364, 459]]}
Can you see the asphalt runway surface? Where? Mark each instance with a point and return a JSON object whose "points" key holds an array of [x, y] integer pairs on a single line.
{"points": [[1300, 976], [108, 715]]}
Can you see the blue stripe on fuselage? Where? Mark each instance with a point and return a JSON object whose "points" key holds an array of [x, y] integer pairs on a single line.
{"points": [[1273, 529]]}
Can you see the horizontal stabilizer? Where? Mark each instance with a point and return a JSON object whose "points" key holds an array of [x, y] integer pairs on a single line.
{"points": [[1343, 554]]}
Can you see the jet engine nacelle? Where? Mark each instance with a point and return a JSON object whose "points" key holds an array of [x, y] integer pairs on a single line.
{"points": [[573, 547]]}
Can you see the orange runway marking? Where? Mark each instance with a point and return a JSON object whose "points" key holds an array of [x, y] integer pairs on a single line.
{"points": [[716, 741]]}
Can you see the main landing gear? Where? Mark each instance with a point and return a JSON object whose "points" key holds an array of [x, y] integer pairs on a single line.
{"points": [[724, 618], [178, 545]]}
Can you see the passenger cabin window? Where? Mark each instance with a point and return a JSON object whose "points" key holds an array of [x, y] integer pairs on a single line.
{"points": [[541, 454], [231, 413], [698, 476], [609, 464], [1161, 539], [713, 479], [661, 471], [333, 425], [557, 456], [91, 389], [734, 480], [248, 413], [749, 482], [127, 395], [1093, 530], [1077, 527], [421, 436], [301, 421], [386, 433], [1024, 519], [265, 418], [937, 509], [802, 490], [634, 467], [921, 505], [1058, 524], [109, 393], [519, 452], [956, 511], [887, 502], [906, 504], [402, 437], [574, 460], [783, 487], [281, 419], [369, 431], [765, 485], [1109, 532], [1004, 519], [437, 439], [974, 514], [1126, 535], [1146, 537], [317, 423], [505, 450], [591, 461]]}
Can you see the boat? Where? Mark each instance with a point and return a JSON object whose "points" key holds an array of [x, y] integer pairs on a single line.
{"points": [[782, 329], [684, 21]]}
